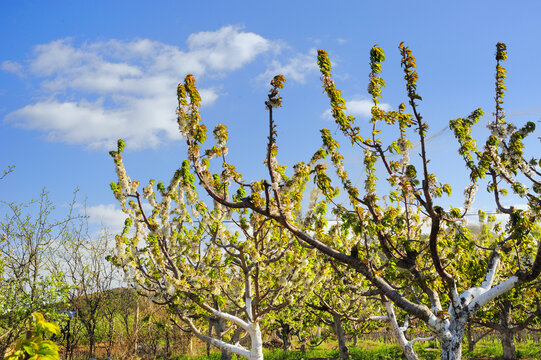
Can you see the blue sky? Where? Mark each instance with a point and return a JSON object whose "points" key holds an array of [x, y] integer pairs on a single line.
{"points": [[76, 75]]}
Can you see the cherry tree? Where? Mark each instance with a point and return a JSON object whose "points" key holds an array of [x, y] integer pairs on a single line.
{"points": [[207, 261], [386, 222], [503, 160], [514, 311], [340, 299]]}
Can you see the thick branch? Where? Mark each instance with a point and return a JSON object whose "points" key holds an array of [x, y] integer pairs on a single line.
{"points": [[234, 319], [433, 242], [218, 343]]}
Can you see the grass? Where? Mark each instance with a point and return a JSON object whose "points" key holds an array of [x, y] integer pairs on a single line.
{"points": [[374, 350], [493, 350]]}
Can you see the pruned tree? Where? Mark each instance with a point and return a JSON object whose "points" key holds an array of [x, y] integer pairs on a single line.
{"points": [[348, 299], [189, 256], [295, 322], [514, 311], [388, 225], [126, 304]]}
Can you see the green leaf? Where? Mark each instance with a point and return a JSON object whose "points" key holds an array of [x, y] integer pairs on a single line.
{"points": [[29, 347], [51, 328], [447, 189]]}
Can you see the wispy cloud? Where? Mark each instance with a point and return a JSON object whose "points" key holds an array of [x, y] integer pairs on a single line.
{"points": [[12, 67], [108, 216], [358, 107], [296, 68], [100, 91]]}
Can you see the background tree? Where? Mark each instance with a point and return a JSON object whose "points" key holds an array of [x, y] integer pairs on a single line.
{"points": [[338, 300], [29, 282], [130, 315], [91, 276]]}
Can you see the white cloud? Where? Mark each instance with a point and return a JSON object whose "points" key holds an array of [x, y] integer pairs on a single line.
{"points": [[12, 67], [297, 68], [101, 91], [364, 107], [108, 216], [227, 49], [358, 107]]}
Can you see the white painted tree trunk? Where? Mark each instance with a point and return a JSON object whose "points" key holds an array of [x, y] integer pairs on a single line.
{"points": [[451, 335], [252, 328], [256, 352], [451, 346], [405, 345], [450, 329]]}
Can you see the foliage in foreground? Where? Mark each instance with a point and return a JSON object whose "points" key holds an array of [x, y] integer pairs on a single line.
{"points": [[31, 279], [36, 345]]}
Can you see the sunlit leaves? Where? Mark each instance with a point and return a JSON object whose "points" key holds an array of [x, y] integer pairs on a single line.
{"points": [[36, 346]]}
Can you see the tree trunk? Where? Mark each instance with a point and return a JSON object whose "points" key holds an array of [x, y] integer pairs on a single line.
{"points": [[451, 339], [254, 332], [211, 325], [226, 355], [508, 345], [451, 349], [69, 347], [284, 333], [507, 336], [91, 344], [469, 335], [136, 326], [256, 352], [341, 337], [110, 336], [167, 344], [220, 327]]}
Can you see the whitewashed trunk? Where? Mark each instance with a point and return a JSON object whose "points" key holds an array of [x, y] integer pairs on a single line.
{"points": [[405, 345], [451, 349], [256, 352], [409, 352], [451, 340]]}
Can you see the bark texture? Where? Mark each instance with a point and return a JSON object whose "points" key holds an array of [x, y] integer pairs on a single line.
{"points": [[507, 336], [341, 337], [405, 345]]}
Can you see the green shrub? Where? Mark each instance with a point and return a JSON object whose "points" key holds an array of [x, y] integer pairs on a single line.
{"points": [[36, 346]]}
